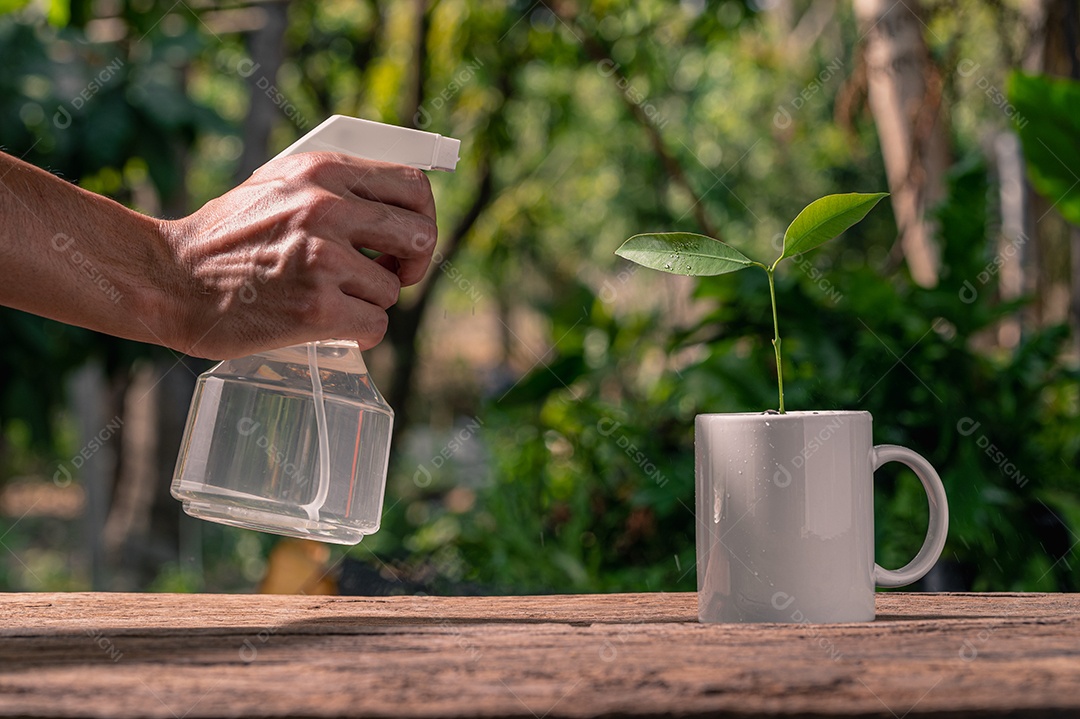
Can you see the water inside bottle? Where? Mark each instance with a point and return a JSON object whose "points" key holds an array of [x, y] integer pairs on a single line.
{"points": [[292, 441]]}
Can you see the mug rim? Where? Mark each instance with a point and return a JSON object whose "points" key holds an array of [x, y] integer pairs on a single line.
{"points": [[787, 416]]}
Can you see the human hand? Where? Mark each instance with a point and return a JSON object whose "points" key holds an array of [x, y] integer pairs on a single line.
{"points": [[276, 261]]}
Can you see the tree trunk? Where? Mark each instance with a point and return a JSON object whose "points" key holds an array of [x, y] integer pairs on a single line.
{"points": [[904, 94], [404, 326], [267, 49], [422, 22], [129, 516], [1052, 49], [804, 32], [1061, 56], [406, 317], [1015, 230], [94, 404], [142, 531]]}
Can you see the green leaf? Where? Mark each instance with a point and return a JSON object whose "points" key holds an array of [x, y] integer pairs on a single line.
{"points": [[683, 253], [824, 219], [1048, 125]]}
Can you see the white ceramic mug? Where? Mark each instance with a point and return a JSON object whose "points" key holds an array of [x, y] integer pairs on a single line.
{"points": [[785, 517]]}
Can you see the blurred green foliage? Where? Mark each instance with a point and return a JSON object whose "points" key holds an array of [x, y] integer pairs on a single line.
{"points": [[577, 474]]}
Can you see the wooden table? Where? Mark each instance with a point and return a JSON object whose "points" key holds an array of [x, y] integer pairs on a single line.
{"points": [[126, 655]]}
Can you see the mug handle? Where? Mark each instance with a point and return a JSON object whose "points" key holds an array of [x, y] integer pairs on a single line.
{"points": [[939, 516]]}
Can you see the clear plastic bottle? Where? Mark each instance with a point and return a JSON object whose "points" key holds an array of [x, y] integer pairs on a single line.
{"points": [[293, 441]]}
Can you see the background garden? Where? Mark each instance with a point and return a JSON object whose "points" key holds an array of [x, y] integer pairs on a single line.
{"points": [[545, 389]]}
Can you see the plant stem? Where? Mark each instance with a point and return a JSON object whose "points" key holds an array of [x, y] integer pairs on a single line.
{"points": [[776, 337]]}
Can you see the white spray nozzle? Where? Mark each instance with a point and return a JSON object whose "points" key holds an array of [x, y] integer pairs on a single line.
{"points": [[377, 141]]}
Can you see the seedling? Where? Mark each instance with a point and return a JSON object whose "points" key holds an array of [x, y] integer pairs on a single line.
{"points": [[686, 253]]}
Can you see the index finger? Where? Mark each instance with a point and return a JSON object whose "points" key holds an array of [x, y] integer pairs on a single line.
{"points": [[389, 183], [385, 182]]}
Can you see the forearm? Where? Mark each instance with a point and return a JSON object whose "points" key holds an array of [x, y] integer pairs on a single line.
{"points": [[81, 258]]}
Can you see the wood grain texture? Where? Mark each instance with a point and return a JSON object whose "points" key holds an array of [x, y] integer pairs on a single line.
{"points": [[126, 655]]}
